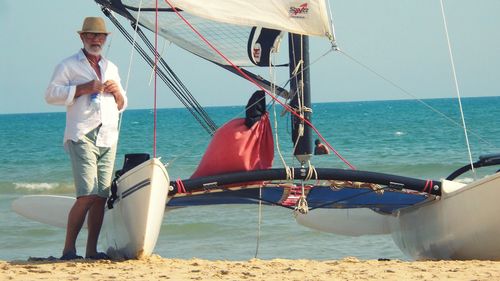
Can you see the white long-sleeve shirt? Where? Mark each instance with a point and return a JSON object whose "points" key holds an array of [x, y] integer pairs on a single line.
{"points": [[80, 118]]}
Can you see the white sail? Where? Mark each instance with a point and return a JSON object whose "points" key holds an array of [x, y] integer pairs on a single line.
{"points": [[308, 17], [227, 24]]}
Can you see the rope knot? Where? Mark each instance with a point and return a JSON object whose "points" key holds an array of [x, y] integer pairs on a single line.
{"points": [[301, 205]]}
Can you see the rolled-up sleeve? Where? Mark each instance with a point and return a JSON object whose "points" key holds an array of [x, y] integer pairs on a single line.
{"points": [[59, 91]]}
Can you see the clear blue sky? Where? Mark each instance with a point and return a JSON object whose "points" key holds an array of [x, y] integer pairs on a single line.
{"points": [[402, 39]]}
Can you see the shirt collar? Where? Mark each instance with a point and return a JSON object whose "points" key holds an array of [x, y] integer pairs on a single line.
{"points": [[82, 57]]}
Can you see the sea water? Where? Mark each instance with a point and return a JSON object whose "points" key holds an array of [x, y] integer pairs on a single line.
{"points": [[401, 137]]}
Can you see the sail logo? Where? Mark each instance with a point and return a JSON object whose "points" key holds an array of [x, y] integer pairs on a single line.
{"points": [[257, 52], [299, 11]]}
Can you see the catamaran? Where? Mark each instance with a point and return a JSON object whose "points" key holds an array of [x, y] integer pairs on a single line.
{"points": [[428, 219]]}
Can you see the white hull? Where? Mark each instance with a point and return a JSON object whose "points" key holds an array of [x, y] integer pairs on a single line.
{"points": [[351, 222], [131, 228], [463, 224]]}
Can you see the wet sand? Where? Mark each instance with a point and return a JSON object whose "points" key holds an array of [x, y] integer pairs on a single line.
{"points": [[158, 268]]}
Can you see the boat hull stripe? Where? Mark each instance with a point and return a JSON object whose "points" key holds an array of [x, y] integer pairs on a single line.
{"points": [[136, 187]]}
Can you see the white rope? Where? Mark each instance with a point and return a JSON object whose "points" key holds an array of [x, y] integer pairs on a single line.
{"points": [[311, 172], [129, 66], [300, 130], [297, 68], [109, 44], [160, 55], [272, 80], [132, 51], [288, 81], [457, 89], [310, 64], [300, 85], [301, 206]]}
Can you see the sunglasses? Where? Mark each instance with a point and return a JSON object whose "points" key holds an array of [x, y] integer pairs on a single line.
{"points": [[95, 35]]}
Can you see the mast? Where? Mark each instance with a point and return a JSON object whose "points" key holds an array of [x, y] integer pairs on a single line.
{"points": [[300, 89]]}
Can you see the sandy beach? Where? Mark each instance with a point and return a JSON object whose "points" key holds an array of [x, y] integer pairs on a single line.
{"points": [[158, 268]]}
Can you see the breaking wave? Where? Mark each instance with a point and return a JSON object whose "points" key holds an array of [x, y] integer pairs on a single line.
{"points": [[35, 186]]}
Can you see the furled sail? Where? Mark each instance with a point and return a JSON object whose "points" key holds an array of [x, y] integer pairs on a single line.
{"points": [[226, 24]]}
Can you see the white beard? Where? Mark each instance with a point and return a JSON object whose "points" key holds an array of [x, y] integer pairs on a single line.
{"points": [[93, 50]]}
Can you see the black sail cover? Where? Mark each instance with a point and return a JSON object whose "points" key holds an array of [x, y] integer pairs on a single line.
{"points": [[261, 43], [255, 108]]}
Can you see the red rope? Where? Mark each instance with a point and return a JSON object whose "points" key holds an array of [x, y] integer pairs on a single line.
{"points": [[428, 186], [259, 86], [425, 187], [155, 74], [180, 186]]}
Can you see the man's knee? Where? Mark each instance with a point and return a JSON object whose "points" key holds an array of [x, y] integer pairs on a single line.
{"points": [[89, 200]]}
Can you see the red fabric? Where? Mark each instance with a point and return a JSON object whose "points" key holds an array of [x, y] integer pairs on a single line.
{"points": [[236, 148]]}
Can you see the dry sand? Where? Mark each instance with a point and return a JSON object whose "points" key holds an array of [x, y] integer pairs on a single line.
{"points": [[158, 268]]}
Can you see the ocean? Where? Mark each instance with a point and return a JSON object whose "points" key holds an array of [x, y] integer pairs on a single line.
{"points": [[402, 137]]}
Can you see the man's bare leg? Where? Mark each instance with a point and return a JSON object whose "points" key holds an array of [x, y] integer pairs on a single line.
{"points": [[94, 223], [76, 218]]}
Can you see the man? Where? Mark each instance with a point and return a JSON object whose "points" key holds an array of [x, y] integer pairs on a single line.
{"points": [[91, 133], [320, 148]]}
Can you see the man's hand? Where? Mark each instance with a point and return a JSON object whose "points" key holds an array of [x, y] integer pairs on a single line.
{"points": [[94, 86], [112, 87]]}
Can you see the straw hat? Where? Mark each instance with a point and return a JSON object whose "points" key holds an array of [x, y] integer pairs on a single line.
{"points": [[93, 25]]}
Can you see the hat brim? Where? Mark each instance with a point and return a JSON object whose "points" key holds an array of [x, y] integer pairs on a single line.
{"points": [[92, 31]]}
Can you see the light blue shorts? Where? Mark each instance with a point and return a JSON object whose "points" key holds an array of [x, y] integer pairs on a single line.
{"points": [[92, 165]]}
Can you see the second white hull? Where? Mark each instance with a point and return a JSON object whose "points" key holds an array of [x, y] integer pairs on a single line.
{"points": [[350, 222], [463, 224]]}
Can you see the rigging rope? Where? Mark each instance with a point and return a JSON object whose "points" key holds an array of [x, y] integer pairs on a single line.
{"points": [[160, 55], [412, 95], [181, 87], [297, 93], [334, 48], [457, 89], [169, 78], [299, 89], [272, 80], [255, 83], [132, 49], [129, 70], [302, 205]]}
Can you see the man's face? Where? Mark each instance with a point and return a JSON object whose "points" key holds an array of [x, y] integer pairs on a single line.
{"points": [[93, 42]]}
